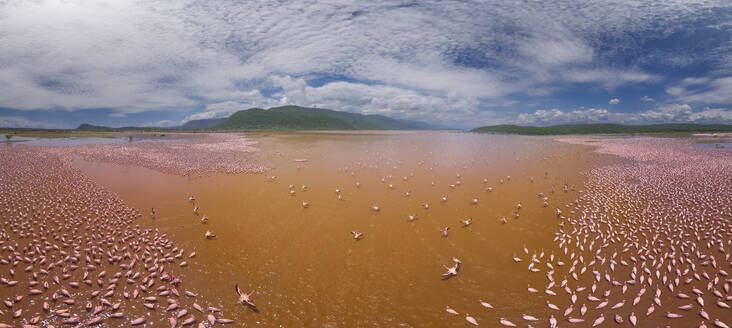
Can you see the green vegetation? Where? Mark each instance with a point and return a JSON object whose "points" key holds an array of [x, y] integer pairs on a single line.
{"points": [[203, 124], [712, 141], [301, 118], [605, 129]]}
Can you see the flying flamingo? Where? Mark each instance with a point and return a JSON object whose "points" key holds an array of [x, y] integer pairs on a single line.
{"points": [[452, 271], [244, 298]]}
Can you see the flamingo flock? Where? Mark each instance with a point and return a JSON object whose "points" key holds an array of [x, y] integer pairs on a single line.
{"points": [[71, 254], [199, 155], [652, 233]]}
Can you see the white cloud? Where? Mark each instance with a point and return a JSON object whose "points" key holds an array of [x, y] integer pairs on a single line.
{"points": [[712, 115], [381, 99], [609, 78], [447, 57], [674, 113], [646, 99], [165, 124], [548, 51], [243, 100], [23, 122], [556, 116], [704, 90], [614, 101]]}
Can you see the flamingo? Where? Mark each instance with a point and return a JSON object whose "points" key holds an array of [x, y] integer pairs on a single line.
{"points": [[450, 310], [506, 323], [599, 320], [357, 235], [452, 271], [244, 298], [529, 317], [471, 319]]}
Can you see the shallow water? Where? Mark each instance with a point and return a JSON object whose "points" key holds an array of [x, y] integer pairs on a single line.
{"points": [[304, 266], [77, 141], [717, 145], [73, 141]]}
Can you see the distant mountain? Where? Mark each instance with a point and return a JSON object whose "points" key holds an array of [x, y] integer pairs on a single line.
{"points": [[203, 124], [284, 118], [302, 118], [97, 128], [604, 129], [94, 128]]}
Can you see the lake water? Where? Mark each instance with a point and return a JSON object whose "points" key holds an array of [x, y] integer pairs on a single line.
{"points": [[717, 145], [305, 268]]}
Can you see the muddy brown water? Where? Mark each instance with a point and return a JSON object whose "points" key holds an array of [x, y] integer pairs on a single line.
{"points": [[303, 265]]}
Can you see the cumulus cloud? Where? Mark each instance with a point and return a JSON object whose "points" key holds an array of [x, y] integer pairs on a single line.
{"points": [[712, 115], [674, 113], [614, 101], [242, 100], [448, 109], [646, 99], [557, 116]]}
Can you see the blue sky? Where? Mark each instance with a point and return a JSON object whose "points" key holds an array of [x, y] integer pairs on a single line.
{"points": [[455, 63]]}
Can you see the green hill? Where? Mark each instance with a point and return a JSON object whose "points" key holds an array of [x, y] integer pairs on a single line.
{"points": [[302, 118], [94, 128], [202, 124], [604, 129]]}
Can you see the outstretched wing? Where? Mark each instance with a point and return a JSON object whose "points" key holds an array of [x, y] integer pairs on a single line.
{"points": [[238, 290]]}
